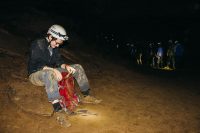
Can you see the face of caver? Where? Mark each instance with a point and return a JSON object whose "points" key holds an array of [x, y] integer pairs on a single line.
{"points": [[55, 43]]}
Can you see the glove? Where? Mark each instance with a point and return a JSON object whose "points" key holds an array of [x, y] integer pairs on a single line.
{"points": [[70, 69], [57, 74]]}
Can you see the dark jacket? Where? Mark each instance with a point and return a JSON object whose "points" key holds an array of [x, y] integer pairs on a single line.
{"points": [[40, 56]]}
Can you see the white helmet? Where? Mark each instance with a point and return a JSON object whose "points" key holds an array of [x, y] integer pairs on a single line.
{"points": [[58, 32]]}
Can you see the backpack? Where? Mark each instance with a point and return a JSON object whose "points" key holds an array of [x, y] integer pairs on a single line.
{"points": [[69, 99]]}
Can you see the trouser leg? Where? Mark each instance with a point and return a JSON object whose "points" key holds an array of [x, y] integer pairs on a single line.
{"points": [[46, 78], [81, 77]]}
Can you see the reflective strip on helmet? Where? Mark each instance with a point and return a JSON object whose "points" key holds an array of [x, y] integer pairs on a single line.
{"points": [[58, 34]]}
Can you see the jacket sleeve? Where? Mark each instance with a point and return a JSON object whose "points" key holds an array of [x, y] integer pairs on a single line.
{"points": [[37, 61]]}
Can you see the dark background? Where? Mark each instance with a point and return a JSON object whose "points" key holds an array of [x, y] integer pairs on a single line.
{"points": [[141, 20]]}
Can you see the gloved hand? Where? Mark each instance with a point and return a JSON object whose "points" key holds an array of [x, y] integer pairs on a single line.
{"points": [[70, 69], [57, 74]]}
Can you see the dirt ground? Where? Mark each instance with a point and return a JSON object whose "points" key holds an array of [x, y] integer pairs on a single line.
{"points": [[134, 100]]}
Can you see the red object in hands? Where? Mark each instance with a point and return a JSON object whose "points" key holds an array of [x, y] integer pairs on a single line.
{"points": [[67, 91]]}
